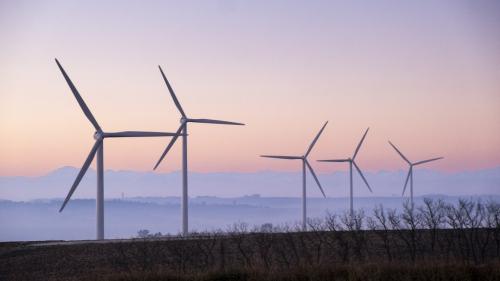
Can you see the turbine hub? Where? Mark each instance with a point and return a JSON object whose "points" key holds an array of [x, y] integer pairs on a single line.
{"points": [[183, 120], [98, 135]]}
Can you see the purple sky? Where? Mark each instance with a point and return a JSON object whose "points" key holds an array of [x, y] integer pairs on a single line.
{"points": [[425, 74]]}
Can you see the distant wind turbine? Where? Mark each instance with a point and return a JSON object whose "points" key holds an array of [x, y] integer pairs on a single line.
{"points": [[304, 164], [98, 149], [351, 163], [183, 128], [410, 171]]}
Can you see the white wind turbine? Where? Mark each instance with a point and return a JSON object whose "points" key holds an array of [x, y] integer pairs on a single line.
{"points": [[98, 149], [304, 164], [183, 128], [410, 171], [352, 162]]}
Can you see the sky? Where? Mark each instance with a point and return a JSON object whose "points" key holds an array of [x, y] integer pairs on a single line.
{"points": [[424, 74]]}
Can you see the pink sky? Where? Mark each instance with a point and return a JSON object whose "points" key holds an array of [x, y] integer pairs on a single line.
{"points": [[425, 75]]}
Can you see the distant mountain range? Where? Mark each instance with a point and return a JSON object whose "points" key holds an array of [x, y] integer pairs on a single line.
{"points": [[267, 183]]}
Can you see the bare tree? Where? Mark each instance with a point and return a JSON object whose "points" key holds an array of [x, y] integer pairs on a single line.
{"points": [[433, 218], [412, 222], [143, 233], [287, 245], [339, 236], [395, 222], [483, 233], [205, 243], [453, 219], [317, 238], [264, 242], [354, 224], [380, 226], [493, 209], [238, 235]]}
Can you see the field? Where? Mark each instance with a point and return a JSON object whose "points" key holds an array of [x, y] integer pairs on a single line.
{"points": [[435, 242]]}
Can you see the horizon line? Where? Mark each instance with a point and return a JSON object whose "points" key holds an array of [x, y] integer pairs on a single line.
{"points": [[249, 172]]}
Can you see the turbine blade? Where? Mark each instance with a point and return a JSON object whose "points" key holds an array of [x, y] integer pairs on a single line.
{"points": [[138, 134], [362, 176], [282, 157], [82, 172], [170, 144], [334, 160], [212, 121], [315, 177], [79, 99], [406, 182], [399, 152], [176, 101], [316, 139], [359, 144], [428, 160]]}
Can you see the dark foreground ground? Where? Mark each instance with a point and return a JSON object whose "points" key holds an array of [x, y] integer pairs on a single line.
{"points": [[451, 254]]}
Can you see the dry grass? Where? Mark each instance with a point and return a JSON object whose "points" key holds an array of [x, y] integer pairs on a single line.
{"points": [[368, 272], [269, 256]]}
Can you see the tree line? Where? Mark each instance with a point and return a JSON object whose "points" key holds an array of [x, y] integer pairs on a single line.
{"points": [[466, 232]]}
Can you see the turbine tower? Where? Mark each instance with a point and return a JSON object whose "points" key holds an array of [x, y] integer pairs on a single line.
{"points": [[98, 149], [352, 162], [305, 164], [183, 128], [410, 171]]}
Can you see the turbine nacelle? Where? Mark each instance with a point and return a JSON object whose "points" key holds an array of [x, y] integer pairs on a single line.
{"points": [[98, 135]]}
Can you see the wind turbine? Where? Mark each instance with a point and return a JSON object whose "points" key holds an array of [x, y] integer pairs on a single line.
{"points": [[410, 171], [98, 149], [304, 164], [183, 128], [352, 162]]}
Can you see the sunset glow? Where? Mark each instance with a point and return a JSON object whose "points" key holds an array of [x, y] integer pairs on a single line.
{"points": [[424, 74]]}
